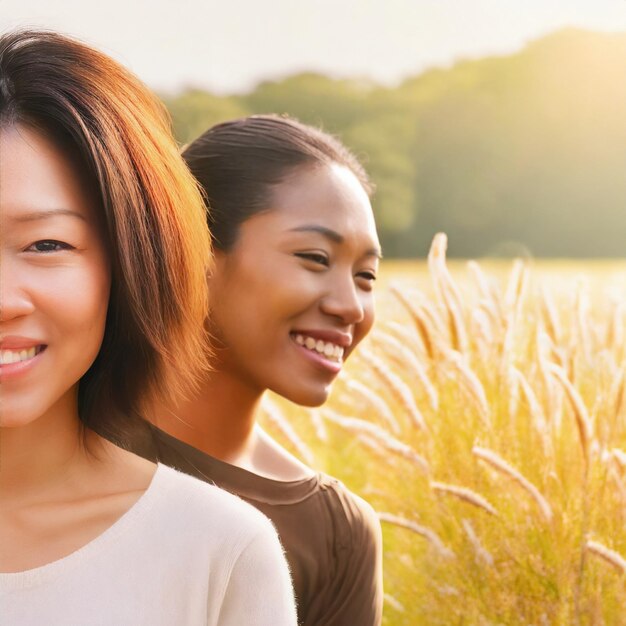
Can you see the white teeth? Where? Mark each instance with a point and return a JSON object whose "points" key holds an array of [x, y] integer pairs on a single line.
{"points": [[16, 356], [330, 350]]}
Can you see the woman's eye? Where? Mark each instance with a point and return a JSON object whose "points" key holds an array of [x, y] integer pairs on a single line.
{"points": [[367, 275], [314, 257], [369, 278], [49, 245]]}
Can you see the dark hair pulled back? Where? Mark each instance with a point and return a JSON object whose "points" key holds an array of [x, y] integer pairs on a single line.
{"points": [[238, 163]]}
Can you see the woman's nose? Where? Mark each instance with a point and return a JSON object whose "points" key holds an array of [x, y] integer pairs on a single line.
{"points": [[14, 299], [344, 302]]}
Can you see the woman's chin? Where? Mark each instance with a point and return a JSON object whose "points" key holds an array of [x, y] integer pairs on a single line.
{"points": [[312, 396]]}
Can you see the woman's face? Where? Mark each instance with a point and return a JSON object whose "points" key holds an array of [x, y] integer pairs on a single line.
{"points": [[294, 296], [54, 278]]}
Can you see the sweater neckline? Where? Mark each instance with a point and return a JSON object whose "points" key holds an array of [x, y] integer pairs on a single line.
{"points": [[42, 573]]}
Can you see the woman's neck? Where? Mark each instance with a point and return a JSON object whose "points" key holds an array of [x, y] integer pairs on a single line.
{"points": [[44, 453], [219, 419]]}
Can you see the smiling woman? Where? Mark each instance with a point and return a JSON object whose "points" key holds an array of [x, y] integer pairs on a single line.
{"points": [[297, 283], [54, 266], [292, 296], [103, 261]]}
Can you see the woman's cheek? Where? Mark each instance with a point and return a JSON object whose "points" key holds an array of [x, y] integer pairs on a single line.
{"points": [[81, 296]]}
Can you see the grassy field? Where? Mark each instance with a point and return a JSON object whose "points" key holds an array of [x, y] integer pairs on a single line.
{"points": [[484, 419]]}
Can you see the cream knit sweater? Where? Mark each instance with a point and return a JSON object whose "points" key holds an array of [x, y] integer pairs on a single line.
{"points": [[185, 554]]}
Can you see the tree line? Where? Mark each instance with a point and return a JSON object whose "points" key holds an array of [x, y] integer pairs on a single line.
{"points": [[511, 155]]}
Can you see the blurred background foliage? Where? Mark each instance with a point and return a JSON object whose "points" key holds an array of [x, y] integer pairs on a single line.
{"points": [[513, 155]]}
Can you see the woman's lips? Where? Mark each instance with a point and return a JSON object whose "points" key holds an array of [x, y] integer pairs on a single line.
{"points": [[317, 353], [328, 349], [17, 360]]}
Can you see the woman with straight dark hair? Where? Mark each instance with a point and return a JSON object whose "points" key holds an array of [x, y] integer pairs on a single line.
{"points": [[292, 295], [104, 254]]}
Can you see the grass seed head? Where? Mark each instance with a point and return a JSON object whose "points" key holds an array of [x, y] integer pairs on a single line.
{"points": [[430, 535], [607, 555], [464, 494], [505, 468], [583, 421], [482, 554]]}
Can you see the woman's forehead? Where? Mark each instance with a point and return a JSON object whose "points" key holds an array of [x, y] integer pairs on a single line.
{"points": [[38, 180]]}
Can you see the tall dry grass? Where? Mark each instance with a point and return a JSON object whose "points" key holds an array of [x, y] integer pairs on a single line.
{"points": [[484, 419]]}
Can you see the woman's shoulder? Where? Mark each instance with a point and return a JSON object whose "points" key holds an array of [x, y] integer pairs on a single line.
{"points": [[354, 519], [352, 578], [203, 508], [217, 534]]}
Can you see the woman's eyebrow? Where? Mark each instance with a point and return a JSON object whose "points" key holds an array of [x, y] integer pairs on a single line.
{"points": [[34, 216], [334, 236]]}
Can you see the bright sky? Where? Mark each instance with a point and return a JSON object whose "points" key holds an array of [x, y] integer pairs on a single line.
{"points": [[230, 45]]}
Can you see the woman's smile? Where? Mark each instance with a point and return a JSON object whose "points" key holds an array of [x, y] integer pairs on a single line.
{"points": [[330, 350], [323, 347], [18, 356]]}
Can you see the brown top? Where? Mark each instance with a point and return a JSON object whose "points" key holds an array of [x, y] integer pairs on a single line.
{"points": [[331, 537]]}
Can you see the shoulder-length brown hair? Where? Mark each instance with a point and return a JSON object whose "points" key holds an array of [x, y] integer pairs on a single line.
{"points": [[151, 211]]}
